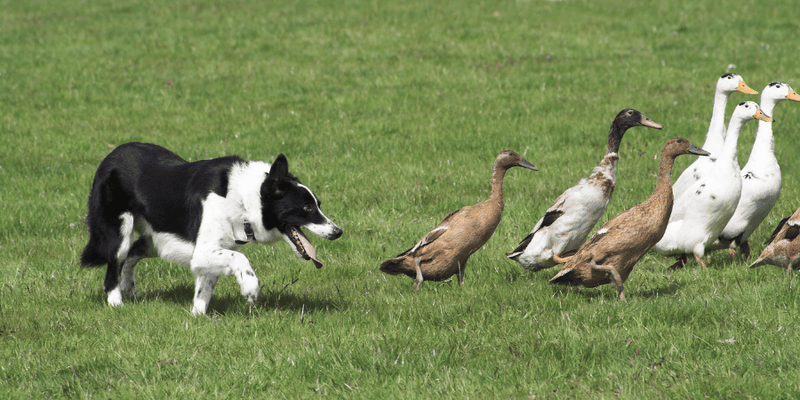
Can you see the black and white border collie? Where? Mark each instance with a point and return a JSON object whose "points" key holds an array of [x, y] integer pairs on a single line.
{"points": [[196, 213]]}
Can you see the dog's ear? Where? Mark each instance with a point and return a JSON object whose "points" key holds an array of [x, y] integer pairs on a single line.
{"points": [[278, 176]]}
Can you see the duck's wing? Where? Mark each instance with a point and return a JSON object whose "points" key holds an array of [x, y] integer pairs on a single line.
{"points": [[777, 230], [616, 234], [793, 224], [553, 213], [547, 220], [434, 234]]}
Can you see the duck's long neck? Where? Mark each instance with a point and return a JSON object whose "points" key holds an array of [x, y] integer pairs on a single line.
{"points": [[764, 143], [498, 173], [728, 151], [663, 189], [615, 135], [715, 137]]}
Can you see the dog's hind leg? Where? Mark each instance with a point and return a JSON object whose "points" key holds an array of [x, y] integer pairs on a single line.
{"points": [[112, 285], [140, 249], [203, 289]]}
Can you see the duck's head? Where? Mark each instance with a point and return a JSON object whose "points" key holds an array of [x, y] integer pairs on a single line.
{"points": [[778, 91], [509, 158], [748, 110], [731, 82], [678, 145], [628, 118]]}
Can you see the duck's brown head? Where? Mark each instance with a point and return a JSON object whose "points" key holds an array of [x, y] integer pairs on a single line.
{"points": [[626, 119], [509, 158], [677, 146]]}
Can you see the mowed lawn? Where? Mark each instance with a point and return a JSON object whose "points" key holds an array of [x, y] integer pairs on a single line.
{"points": [[393, 112]]}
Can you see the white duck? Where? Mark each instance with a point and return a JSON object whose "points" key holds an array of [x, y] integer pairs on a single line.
{"points": [[761, 177], [709, 204], [567, 223], [715, 137]]}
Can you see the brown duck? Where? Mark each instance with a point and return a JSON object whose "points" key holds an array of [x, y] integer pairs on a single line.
{"points": [[444, 251], [783, 247], [609, 256]]}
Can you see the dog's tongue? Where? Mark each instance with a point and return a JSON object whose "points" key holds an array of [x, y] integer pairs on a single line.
{"points": [[301, 246]]}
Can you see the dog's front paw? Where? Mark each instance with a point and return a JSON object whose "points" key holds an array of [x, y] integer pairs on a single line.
{"points": [[249, 285]]}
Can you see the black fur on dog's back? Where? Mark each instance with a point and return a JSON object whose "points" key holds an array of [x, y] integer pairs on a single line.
{"points": [[144, 165]]}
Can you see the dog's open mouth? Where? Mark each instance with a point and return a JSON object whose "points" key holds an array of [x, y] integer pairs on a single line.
{"points": [[301, 246]]}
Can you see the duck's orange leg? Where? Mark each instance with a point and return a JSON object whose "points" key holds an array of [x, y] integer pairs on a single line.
{"points": [[561, 260], [616, 280], [461, 273], [418, 281], [700, 261]]}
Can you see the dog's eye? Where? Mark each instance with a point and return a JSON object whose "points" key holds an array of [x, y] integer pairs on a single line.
{"points": [[308, 208]]}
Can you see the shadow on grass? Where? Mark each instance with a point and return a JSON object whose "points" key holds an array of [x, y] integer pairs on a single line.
{"points": [[667, 289], [182, 295]]}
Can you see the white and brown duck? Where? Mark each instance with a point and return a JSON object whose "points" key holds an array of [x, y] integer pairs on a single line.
{"points": [[610, 255], [444, 251], [783, 247], [567, 223]]}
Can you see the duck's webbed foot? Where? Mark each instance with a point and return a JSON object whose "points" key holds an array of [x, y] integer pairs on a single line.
{"points": [[418, 280], [616, 280], [745, 247], [732, 251], [700, 260], [679, 263]]}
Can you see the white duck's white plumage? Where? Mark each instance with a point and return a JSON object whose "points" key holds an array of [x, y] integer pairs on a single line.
{"points": [[707, 206], [715, 137], [761, 177], [567, 223]]}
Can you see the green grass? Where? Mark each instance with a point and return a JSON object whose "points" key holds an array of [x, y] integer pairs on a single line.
{"points": [[393, 112]]}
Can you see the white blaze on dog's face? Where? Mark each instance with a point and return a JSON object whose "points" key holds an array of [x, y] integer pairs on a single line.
{"points": [[324, 229], [289, 205]]}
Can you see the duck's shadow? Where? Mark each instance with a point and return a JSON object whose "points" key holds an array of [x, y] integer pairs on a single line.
{"points": [[668, 289]]}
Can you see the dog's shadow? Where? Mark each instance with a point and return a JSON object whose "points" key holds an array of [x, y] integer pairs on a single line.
{"points": [[231, 303]]}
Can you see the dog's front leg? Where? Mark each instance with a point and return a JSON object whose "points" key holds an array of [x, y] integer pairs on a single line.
{"points": [[222, 262], [203, 289]]}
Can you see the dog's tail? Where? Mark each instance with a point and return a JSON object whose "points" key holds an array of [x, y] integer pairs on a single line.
{"points": [[103, 221], [92, 256]]}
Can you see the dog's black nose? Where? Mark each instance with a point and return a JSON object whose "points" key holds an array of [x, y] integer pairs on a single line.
{"points": [[337, 233]]}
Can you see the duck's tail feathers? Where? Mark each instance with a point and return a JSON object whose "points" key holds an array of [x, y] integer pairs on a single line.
{"points": [[757, 263], [521, 248], [564, 277]]}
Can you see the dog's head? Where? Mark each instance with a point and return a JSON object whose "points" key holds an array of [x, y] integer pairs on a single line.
{"points": [[288, 205]]}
